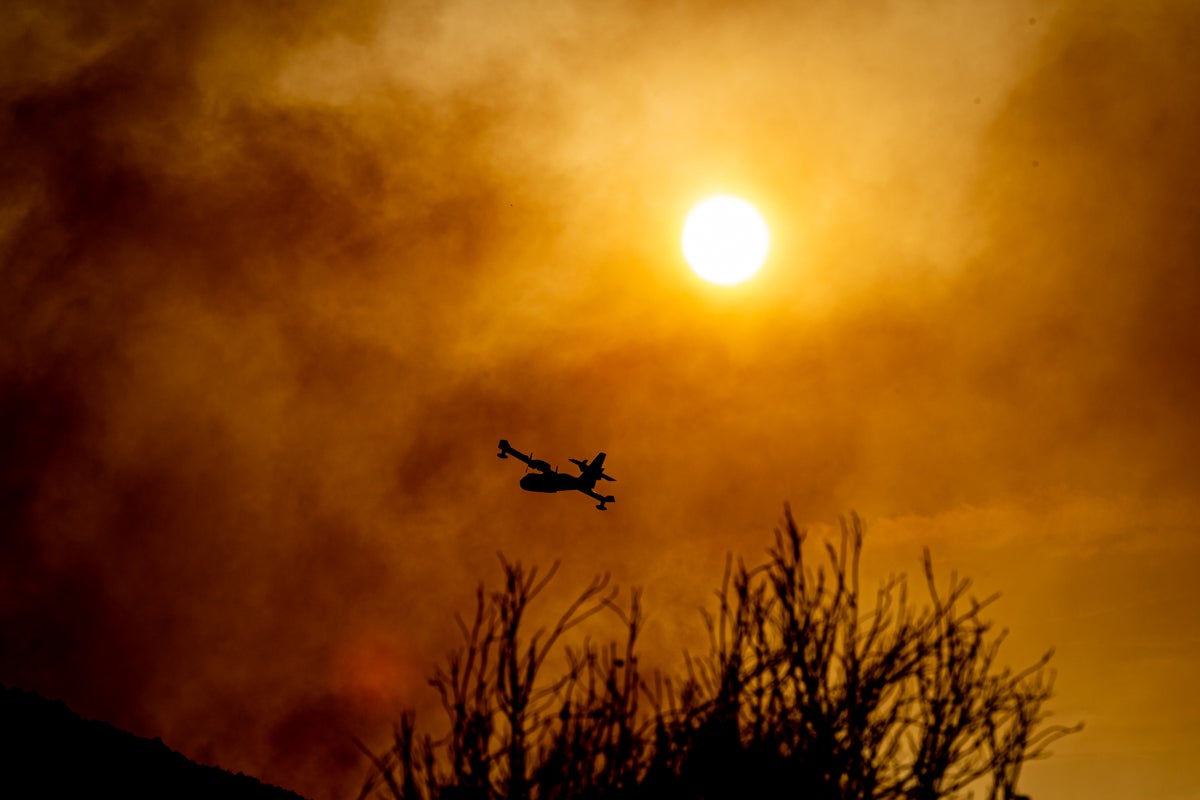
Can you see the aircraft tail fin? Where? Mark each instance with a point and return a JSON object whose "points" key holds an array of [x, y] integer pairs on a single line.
{"points": [[593, 470], [596, 468]]}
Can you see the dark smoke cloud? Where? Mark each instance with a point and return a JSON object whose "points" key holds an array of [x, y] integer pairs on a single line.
{"points": [[187, 430], [276, 280]]}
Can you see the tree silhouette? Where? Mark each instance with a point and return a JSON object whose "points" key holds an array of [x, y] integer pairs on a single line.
{"points": [[802, 691]]}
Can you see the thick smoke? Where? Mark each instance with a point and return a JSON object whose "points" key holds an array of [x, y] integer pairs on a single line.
{"points": [[277, 280]]}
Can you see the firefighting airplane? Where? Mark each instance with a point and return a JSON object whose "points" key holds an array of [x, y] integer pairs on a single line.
{"points": [[551, 480]]}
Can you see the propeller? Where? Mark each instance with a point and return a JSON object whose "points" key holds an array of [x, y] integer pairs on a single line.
{"points": [[540, 466]]}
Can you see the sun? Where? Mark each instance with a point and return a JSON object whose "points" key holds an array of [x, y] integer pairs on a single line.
{"points": [[725, 240]]}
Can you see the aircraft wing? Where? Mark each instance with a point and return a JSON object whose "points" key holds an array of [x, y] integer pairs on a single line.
{"points": [[597, 496], [507, 450]]}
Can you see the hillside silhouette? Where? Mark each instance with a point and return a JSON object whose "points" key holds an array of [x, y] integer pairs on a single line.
{"points": [[50, 751]]}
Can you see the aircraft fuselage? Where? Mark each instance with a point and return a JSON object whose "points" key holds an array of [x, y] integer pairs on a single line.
{"points": [[551, 482]]}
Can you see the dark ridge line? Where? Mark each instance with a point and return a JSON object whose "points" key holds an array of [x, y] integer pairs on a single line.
{"points": [[47, 750]]}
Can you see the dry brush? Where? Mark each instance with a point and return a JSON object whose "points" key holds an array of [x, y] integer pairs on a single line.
{"points": [[801, 687]]}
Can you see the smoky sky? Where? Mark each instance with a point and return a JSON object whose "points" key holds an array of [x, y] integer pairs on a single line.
{"points": [[276, 280]]}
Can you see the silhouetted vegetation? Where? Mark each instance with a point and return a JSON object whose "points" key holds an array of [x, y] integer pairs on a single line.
{"points": [[803, 691]]}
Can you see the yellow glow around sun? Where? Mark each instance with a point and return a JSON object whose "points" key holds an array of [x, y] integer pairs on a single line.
{"points": [[725, 240]]}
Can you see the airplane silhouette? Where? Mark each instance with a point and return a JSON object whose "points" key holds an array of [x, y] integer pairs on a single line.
{"points": [[551, 480]]}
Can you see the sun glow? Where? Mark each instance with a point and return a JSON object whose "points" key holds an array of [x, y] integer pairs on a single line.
{"points": [[725, 240]]}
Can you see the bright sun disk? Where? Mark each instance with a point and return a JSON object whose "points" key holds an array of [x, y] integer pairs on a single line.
{"points": [[725, 240]]}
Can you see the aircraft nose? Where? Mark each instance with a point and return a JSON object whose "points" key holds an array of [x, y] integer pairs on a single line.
{"points": [[538, 482]]}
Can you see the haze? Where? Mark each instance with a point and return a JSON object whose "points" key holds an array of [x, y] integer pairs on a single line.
{"points": [[276, 281]]}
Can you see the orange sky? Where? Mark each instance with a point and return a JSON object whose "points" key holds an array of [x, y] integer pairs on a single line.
{"points": [[276, 281]]}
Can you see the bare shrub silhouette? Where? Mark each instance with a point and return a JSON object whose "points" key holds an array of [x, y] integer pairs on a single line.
{"points": [[802, 691]]}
